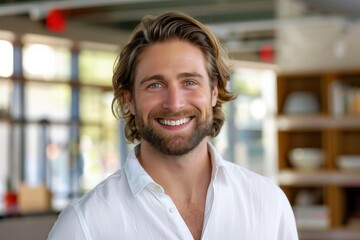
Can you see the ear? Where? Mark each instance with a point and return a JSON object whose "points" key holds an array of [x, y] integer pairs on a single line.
{"points": [[215, 93], [129, 101]]}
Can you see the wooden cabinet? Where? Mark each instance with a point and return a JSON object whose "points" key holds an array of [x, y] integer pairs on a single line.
{"points": [[326, 199]]}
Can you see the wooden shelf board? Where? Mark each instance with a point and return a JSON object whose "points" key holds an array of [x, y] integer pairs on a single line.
{"points": [[316, 122], [340, 234], [319, 177]]}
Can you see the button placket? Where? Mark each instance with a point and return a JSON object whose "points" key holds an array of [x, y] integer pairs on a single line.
{"points": [[174, 214]]}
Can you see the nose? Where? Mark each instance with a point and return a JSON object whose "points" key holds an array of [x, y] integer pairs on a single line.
{"points": [[174, 99]]}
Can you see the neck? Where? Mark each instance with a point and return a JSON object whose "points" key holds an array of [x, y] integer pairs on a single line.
{"points": [[185, 177]]}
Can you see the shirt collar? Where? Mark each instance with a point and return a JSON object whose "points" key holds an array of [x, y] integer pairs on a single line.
{"points": [[136, 175], [138, 178], [217, 161]]}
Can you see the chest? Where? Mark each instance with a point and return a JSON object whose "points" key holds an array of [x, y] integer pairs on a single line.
{"points": [[193, 216]]}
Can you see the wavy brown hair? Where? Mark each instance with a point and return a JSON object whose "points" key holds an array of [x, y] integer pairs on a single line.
{"points": [[169, 26]]}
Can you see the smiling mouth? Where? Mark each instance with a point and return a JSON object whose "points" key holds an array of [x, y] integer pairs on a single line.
{"points": [[172, 123]]}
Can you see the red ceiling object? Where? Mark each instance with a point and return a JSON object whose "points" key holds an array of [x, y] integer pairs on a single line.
{"points": [[267, 53], [55, 21]]}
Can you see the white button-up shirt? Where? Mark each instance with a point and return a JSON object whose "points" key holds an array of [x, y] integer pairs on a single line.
{"points": [[130, 205]]}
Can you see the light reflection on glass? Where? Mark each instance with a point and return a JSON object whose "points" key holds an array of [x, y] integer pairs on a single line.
{"points": [[96, 67], [47, 101], [99, 136], [6, 58], [44, 62]]}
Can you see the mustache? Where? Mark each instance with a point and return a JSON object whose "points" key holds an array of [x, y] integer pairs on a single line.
{"points": [[170, 114]]}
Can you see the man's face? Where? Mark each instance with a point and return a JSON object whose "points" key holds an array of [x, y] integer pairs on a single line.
{"points": [[172, 100]]}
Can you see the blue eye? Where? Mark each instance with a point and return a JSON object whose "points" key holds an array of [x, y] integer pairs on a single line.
{"points": [[155, 85], [189, 83]]}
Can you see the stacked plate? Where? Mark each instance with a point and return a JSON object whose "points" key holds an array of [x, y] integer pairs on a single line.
{"points": [[348, 161]]}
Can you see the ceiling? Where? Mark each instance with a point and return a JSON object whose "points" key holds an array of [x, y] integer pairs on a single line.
{"points": [[233, 21], [349, 9], [125, 14]]}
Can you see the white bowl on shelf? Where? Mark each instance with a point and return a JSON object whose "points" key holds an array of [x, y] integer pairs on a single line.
{"points": [[306, 158], [348, 162], [301, 102]]}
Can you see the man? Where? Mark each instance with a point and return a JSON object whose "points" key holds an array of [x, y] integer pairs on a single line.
{"points": [[169, 85]]}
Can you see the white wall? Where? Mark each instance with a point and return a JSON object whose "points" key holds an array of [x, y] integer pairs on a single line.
{"points": [[316, 44], [307, 41]]}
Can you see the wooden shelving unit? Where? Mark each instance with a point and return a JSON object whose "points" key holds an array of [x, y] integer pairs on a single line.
{"points": [[335, 129], [336, 234]]}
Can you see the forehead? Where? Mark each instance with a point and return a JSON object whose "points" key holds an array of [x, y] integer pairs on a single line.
{"points": [[173, 55]]}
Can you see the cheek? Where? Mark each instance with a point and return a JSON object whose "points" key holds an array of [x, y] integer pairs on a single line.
{"points": [[202, 101], [146, 104]]}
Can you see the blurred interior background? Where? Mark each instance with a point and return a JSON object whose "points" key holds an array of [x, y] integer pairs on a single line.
{"points": [[296, 119]]}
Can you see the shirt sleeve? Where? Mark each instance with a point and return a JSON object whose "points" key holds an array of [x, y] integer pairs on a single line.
{"points": [[67, 226], [287, 227]]}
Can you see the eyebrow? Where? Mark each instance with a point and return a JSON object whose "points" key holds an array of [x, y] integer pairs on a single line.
{"points": [[179, 76], [190, 74]]}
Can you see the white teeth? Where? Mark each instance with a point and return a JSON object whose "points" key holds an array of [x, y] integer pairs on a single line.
{"points": [[174, 122]]}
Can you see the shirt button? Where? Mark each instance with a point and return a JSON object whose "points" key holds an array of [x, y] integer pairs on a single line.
{"points": [[172, 210]]}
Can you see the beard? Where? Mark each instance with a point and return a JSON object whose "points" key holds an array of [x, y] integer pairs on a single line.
{"points": [[174, 144]]}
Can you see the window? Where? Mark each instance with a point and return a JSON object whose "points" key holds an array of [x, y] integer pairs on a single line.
{"points": [[42, 61], [5, 90], [47, 101], [56, 123], [96, 67], [98, 136], [6, 58], [249, 125]]}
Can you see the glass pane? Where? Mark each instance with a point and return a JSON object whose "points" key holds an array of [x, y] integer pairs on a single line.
{"points": [[95, 105], [96, 67], [34, 165], [47, 101], [46, 63], [98, 147], [47, 157], [57, 155], [90, 104], [99, 136], [12, 151], [6, 58], [249, 106], [249, 121], [4, 158], [107, 115], [221, 141], [5, 88]]}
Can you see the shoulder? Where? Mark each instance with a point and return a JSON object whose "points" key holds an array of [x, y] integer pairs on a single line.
{"points": [[263, 199], [252, 183], [98, 200], [256, 190], [239, 173], [239, 178], [105, 192], [102, 205]]}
